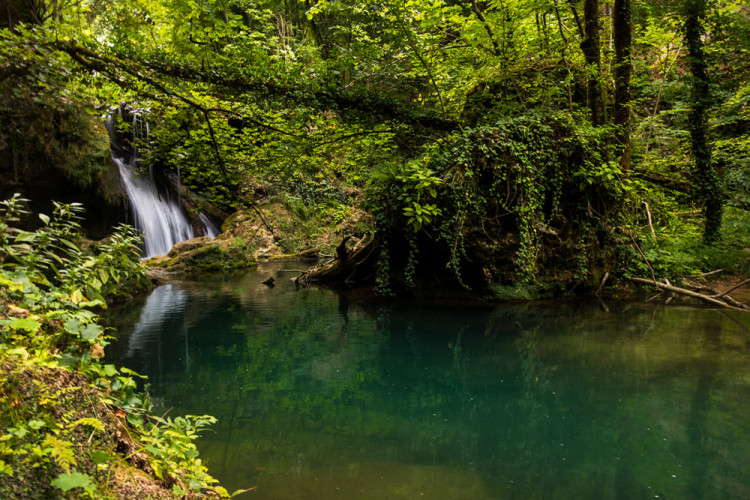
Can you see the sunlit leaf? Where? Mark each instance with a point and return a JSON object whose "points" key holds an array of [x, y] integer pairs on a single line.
{"points": [[67, 482]]}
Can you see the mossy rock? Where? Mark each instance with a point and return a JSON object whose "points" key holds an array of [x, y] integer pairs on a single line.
{"points": [[526, 291], [205, 254]]}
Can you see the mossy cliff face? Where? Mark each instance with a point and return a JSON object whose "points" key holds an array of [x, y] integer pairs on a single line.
{"points": [[517, 208], [59, 150]]}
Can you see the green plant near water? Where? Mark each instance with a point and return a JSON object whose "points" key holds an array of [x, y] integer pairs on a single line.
{"points": [[51, 256], [677, 251], [61, 403], [533, 176]]}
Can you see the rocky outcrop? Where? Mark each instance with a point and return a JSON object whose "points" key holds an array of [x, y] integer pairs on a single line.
{"points": [[205, 254], [269, 232], [58, 150]]}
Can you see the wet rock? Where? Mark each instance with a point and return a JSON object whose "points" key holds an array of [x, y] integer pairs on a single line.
{"points": [[205, 254]]}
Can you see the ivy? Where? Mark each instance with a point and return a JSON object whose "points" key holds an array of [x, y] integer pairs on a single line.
{"points": [[520, 176]]}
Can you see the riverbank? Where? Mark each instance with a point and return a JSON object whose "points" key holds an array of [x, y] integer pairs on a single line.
{"points": [[72, 425], [76, 427]]}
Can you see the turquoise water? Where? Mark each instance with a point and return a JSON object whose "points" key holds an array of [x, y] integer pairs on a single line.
{"points": [[327, 395]]}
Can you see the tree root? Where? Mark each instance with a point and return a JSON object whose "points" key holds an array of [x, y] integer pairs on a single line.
{"points": [[355, 266]]}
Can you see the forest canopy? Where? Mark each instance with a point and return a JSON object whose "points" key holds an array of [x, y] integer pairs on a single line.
{"points": [[517, 140]]}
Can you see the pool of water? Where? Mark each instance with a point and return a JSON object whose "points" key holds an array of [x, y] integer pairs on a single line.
{"points": [[328, 395]]}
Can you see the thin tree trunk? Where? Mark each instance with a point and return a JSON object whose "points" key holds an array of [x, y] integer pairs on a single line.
{"points": [[709, 183], [590, 48], [622, 34]]}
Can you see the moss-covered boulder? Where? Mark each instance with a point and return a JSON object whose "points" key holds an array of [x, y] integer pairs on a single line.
{"points": [[57, 149], [205, 254]]}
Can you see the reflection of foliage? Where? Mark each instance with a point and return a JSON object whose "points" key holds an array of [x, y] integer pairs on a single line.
{"points": [[533, 411], [544, 396]]}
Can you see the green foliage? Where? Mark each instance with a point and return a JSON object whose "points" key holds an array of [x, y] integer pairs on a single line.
{"points": [[173, 454], [679, 251], [309, 103], [54, 435], [50, 257], [68, 481], [414, 185], [528, 176]]}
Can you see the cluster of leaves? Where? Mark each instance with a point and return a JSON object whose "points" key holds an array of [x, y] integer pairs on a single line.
{"points": [[63, 404], [51, 256], [528, 176]]}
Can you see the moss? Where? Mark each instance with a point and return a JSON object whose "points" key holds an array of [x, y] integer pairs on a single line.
{"points": [[525, 291], [43, 403], [204, 254]]}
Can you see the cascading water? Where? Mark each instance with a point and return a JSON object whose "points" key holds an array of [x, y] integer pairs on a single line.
{"points": [[209, 228], [157, 215]]}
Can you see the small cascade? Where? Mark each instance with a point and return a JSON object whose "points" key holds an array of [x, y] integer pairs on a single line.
{"points": [[156, 214], [209, 228]]}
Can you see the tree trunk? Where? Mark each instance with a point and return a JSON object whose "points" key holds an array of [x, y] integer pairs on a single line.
{"points": [[709, 189], [590, 48], [622, 34]]}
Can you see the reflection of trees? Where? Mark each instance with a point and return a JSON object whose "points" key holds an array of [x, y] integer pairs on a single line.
{"points": [[532, 411], [302, 378], [553, 398], [697, 424]]}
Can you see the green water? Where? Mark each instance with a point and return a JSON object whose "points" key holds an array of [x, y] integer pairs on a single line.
{"points": [[326, 395]]}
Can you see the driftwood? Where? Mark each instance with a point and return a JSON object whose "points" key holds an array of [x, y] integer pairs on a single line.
{"points": [[601, 284], [703, 275], [717, 294], [720, 299]]}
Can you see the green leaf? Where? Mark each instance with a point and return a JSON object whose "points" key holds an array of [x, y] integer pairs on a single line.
{"points": [[135, 420], [154, 451], [70, 244], [72, 325], [6, 469], [36, 424], [76, 296], [100, 457], [26, 236], [67, 482], [91, 331], [110, 370], [89, 421], [27, 324], [61, 451]]}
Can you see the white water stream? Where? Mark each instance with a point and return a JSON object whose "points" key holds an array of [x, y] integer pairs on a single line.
{"points": [[158, 216]]}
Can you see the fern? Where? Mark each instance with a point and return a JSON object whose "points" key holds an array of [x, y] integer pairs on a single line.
{"points": [[94, 423], [61, 451]]}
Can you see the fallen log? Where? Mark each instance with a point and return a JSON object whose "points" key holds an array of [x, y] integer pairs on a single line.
{"points": [[719, 295], [715, 300]]}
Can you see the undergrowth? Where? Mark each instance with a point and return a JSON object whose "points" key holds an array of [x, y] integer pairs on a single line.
{"points": [[675, 249], [72, 425]]}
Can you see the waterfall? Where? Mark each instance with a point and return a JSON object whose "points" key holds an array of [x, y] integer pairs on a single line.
{"points": [[209, 228], [157, 215]]}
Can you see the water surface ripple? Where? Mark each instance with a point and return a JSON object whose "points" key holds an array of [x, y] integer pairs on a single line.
{"points": [[326, 395]]}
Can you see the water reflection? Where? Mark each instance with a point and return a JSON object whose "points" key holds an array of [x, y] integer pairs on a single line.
{"points": [[326, 395]]}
